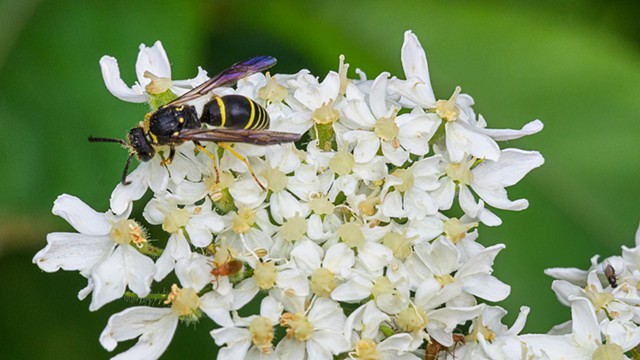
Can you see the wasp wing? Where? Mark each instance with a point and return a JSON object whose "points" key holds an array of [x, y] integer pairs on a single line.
{"points": [[247, 136], [229, 76]]}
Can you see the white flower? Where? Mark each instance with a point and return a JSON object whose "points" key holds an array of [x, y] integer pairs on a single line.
{"points": [[583, 340], [152, 64], [488, 180], [103, 250], [251, 337], [314, 333], [465, 135], [154, 326]]}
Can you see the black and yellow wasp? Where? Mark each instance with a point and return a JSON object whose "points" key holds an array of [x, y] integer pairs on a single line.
{"points": [[236, 118]]}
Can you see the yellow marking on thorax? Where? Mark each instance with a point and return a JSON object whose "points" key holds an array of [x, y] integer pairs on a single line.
{"points": [[154, 138], [223, 111], [253, 114]]}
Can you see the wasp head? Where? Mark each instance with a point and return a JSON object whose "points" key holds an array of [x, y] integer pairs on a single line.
{"points": [[140, 145]]}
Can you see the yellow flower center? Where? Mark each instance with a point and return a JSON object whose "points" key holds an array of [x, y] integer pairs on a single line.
{"points": [[399, 244], [323, 282], [447, 109], [366, 349], [125, 231], [243, 220], [412, 319], [272, 91], [406, 176], [461, 172], [325, 114], [386, 128], [298, 326], [342, 163], [294, 228], [262, 334], [276, 179], [265, 275], [158, 84], [184, 302], [175, 220], [455, 230], [351, 234], [321, 205]]}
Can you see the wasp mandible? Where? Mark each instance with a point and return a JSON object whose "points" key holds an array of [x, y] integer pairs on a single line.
{"points": [[236, 118]]}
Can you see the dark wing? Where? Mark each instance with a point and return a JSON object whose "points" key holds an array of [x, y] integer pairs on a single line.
{"points": [[248, 136], [229, 76]]}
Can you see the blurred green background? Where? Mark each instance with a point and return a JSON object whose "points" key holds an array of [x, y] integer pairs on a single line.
{"points": [[575, 65]]}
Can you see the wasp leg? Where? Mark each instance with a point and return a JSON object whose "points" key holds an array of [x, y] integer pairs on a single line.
{"points": [[172, 153], [244, 160], [213, 159], [126, 170]]}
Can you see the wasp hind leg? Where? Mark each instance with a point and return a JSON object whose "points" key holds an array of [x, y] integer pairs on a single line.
{"points": [[244, 160], [214, 159]]}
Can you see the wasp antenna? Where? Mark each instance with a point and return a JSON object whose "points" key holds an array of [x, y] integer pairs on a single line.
{"points": [[126, 170], [99, 139]]}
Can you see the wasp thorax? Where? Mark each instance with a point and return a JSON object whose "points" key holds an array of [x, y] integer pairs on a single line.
{"points": [[169, 120]]}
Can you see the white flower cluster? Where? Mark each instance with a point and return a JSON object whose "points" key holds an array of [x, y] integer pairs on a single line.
{"points": [[364, 243]]}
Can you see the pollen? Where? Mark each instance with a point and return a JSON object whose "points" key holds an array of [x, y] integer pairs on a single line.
{"points": [[128, 231], [447, 109]]}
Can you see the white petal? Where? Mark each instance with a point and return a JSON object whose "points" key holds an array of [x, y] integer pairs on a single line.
{"points": [[531, 128], [584, 322], [70, 251], [115, 85], [153, 59], [307, 256], [123, 195], [463, 139], [125, 265], [367, 145], [414, 63], [339, 259], [396, 156], [155, 326], [81, 216]]}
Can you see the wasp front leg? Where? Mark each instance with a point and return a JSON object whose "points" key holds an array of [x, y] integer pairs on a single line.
{"points": [[168, 160]]}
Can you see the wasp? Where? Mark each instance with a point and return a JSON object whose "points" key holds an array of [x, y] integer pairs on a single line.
{"points": [[235, 118]]}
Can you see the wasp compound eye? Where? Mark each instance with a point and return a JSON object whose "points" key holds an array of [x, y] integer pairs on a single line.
{"points": [[141, 147]]}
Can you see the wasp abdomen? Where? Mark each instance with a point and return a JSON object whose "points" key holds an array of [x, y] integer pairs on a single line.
{"points": [[235, 112]]}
